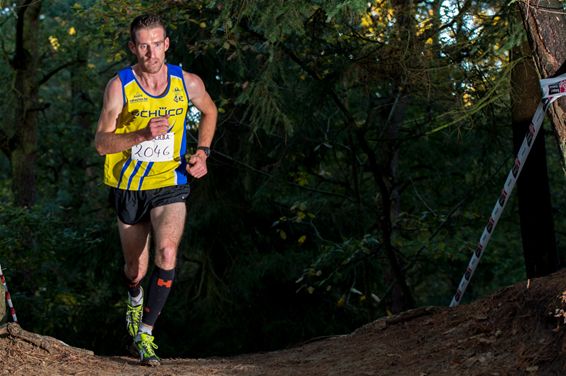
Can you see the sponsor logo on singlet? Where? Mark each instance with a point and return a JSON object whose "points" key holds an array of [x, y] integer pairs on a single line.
{"points": [[179, 97], [138, 98], [162, 111]]}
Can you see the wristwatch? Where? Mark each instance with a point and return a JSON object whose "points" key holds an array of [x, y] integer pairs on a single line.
{"points": [[205, 149]]}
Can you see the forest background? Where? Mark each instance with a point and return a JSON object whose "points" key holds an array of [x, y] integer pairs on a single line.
{"points": [[359, 152]]}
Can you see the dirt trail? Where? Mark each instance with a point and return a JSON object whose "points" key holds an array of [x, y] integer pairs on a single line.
{"points": [[513, 332]]}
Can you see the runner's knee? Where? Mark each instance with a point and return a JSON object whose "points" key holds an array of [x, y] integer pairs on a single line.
{"points": [[166, 256]]}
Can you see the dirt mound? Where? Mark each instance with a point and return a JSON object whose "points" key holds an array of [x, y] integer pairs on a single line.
{"points": [[517, 331]]}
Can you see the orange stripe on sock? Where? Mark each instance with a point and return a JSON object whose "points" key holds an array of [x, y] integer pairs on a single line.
{"points": [[161, 282]]}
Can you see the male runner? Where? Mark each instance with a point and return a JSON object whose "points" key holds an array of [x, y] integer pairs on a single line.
{"points": [[141, 131]]}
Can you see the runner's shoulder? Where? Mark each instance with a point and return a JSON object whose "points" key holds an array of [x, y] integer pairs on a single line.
{"points": [[114, 82], [113, 94]]}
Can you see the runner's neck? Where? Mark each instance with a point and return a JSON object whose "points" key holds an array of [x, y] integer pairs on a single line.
{"points": [[153, 83]]}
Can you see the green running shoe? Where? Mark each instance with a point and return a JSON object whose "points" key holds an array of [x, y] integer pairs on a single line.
{"points": [[145, 346], [134, 316]]}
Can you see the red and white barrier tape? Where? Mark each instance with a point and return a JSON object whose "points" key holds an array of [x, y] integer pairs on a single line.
{"points": [[552, 89], [8, 297]]}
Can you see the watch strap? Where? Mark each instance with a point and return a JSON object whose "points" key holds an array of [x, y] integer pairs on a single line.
{"points": [[206, 150]]}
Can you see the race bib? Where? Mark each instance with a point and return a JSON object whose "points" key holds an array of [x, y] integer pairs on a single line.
{"points": [[160, 149]]}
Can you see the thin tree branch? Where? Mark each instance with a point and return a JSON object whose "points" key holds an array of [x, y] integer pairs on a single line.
{"points": [[56, 70], [251, 168]]}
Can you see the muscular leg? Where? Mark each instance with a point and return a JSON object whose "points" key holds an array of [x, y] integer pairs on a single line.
{"points": [[168, 223], [135, 247]]}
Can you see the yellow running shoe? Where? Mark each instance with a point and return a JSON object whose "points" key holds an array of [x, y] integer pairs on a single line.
{"points": [[134, 316], [145, 346]]}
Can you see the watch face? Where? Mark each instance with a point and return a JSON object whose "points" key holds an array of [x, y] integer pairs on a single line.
{"points": [[205, 149]]}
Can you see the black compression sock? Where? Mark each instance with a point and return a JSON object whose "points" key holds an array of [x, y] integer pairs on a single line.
{"points": [[134, 289], [159, 287]]}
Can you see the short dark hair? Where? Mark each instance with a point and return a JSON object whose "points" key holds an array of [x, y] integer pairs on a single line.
{"points": [[146, 21]]}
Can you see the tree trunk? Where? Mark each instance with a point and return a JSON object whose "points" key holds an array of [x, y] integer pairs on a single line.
{"points": [[545, 23], [533, 191], [401, 294], [23, 145], [83, 112]]}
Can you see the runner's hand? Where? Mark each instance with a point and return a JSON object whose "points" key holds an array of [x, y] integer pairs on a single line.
{"points": [[156, 127], [197, 166]]}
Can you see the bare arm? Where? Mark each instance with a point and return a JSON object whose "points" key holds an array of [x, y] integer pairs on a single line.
{"points": [[106, 140], [207, 126]]}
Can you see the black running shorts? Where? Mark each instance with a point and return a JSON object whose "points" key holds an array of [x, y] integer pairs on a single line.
{"points": [[134, 206]]}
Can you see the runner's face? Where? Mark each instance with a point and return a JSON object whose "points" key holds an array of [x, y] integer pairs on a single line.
{"points": [[149, 48]]}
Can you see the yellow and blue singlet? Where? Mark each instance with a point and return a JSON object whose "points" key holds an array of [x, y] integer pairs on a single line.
{"points": [[123, 170]]}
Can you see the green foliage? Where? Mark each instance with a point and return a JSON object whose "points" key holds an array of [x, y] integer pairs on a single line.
{"points": [[61, 269]]}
